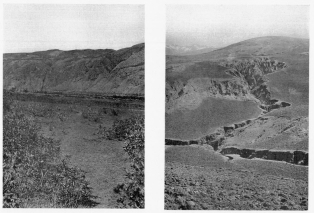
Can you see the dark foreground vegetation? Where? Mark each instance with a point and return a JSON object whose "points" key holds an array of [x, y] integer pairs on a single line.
{"points": [[33, 173], [131, 130]]}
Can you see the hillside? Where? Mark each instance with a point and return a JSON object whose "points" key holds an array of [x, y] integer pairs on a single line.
{"points": [[102, 71], [289, 85], [237, 127], [292, 85], [273, 72], [261, 46]]}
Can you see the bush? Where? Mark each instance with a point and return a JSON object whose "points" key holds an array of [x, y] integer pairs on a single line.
{"points": [[32, 171], [121, 129], [132, 132]]}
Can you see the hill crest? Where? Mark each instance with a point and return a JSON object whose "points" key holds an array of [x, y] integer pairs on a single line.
{"points": [[101, 70]]}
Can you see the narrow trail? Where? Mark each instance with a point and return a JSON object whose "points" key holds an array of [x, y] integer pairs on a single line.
{"points": [[104, 161]]}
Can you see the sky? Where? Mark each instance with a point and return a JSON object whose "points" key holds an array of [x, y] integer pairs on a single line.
{"points": [[222, 25], [35, 27]]}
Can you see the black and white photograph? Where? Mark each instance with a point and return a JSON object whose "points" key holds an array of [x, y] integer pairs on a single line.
{"points": [[156, 106], [73, 106], [237, 107]]}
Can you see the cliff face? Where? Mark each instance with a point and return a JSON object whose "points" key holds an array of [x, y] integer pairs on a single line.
{"points": [[253, 73], [190, 95], [249, 83], [102, 71]]}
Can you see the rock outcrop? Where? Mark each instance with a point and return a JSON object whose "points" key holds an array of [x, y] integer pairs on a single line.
{"points": [[253, 73]]}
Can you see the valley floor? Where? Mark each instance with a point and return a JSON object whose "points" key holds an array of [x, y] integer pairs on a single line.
{"points": [[77, 128], [103, 160]]}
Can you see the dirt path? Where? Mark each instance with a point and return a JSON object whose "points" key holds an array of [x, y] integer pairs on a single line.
{"points": [[103, 160]]}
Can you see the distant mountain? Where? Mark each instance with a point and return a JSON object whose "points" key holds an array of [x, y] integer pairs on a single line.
{"points": [[102, 70], [187, 50], [262, 46]]}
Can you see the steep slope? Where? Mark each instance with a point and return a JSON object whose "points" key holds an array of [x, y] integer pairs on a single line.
{"points": [[102, 71]]}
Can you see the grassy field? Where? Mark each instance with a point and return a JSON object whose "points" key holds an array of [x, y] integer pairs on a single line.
{"points": [[211, 114]]}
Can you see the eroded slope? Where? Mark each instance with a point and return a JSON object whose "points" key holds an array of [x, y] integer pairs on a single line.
{"points": [[103, 71], [248, 83], [277, 83]]}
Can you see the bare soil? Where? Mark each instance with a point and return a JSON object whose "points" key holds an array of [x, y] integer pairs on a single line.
{"points": [[199, 178]]}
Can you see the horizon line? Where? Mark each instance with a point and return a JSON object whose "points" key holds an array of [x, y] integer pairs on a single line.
{"points": [[66, 50], [240, 41]]}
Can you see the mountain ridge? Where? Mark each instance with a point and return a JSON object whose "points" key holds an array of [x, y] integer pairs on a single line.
{"points": [[259, 46], [87, 70]]}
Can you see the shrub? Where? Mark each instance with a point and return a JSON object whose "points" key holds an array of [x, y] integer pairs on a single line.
{"points": [[121, 129], [132, 132], [33, 172]]}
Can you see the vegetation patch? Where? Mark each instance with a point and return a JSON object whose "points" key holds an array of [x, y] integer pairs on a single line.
{"points": [[131, 130], [33, 174]]}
